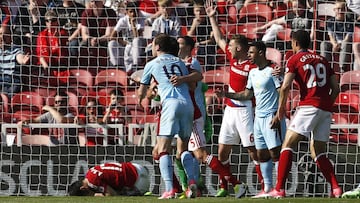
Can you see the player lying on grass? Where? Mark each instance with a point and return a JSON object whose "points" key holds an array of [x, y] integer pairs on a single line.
{"points": [[111, 179]]}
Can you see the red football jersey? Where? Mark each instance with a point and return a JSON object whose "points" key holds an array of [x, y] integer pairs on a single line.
{"points": [[115, 175], [238, 77], [313, 74]]}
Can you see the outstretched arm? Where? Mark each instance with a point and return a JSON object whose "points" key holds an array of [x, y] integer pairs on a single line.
{"points": [[219, 37]]}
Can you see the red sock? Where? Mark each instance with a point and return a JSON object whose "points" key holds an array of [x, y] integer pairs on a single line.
{"points": [[285, 162], [327, 170], [223, 171], [176, 184], [260, 177]]}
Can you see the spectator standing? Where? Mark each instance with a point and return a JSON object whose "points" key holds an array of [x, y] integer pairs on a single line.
{"points": [[168, 23], [318, 91], [111, 179], [97, 23], [11, 60], [52, 48], [176, 113], [127, 40], [264, 86], [232, 131], [59, 113], [340, 30], [69, 13]]}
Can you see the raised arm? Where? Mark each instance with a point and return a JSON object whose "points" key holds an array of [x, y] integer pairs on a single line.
{"points": [[218, 36]]}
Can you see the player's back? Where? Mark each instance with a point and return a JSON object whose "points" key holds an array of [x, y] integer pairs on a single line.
{"points": [[162, 68], [313, 74]]}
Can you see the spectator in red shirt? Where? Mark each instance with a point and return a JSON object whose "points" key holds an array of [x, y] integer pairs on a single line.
{"points": [[52, 47]]}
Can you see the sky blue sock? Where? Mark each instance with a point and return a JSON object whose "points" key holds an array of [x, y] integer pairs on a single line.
{"points": [[187, 161], [266, 171], [166, 170], [196, 169]]}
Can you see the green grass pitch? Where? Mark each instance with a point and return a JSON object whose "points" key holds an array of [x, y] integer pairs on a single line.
{"points": [[48, 199]]}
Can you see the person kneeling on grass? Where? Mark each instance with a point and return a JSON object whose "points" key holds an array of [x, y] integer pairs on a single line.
{"points": [[112, 179]]}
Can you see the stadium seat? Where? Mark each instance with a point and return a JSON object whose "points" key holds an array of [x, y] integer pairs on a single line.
{"points": [[248, 30], [274, 55], [356, 34], [350, 80], [80, 81], [255, 13], [213, 77], [292, 102], [343, 135], [348, 102], [26, 105], [111, 78], [284, 34], [45, 91], [131, 102]]}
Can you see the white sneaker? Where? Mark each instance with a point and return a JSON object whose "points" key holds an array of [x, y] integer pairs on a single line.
{"points": [[240, 190]]}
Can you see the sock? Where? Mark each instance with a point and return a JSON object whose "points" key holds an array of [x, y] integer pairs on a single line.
{"points": [[196, 165], [276, 165], [266, 171], [284, 167], [260, 177], [327, 169], [187, 162], [176, 184], [166, 170], [223, 181], [182, 174]]}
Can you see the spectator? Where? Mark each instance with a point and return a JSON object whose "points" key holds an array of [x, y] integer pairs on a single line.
{"points": [[111, 179], [59, 113], [92, 113], [354, 6], [298, 18], [97, 23], [127, 40], [116, 113], [52, 48], [201, 29], [10, 65], [69, 13], [313, 116], [177, 110], [232, 131], [168, 22], [29, 22], [340, 30], [264, 86]]}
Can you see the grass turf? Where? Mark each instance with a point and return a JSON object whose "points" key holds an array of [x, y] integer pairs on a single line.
{"points": [[153, 199]]}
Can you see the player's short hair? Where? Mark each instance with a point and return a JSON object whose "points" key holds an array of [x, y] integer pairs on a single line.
{"points": [[74, 189], [189, 41], [260, 46], [165, 3], [117, 92], [167, 44], [241, 40], [302, 37], [131, 5]]}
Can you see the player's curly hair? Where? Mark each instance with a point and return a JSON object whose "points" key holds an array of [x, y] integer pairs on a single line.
{"points": [[74, 189]]}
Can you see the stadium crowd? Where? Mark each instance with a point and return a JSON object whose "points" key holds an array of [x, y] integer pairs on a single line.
{"points": [[75, 62]]}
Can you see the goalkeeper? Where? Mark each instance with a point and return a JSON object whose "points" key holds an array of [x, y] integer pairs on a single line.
{"points": [[112, 179]]}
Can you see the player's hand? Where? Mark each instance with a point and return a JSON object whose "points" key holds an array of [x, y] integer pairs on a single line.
{"points": [[220, 92], [275, 123], [277, 71], [176, 80], [210, 8]]}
